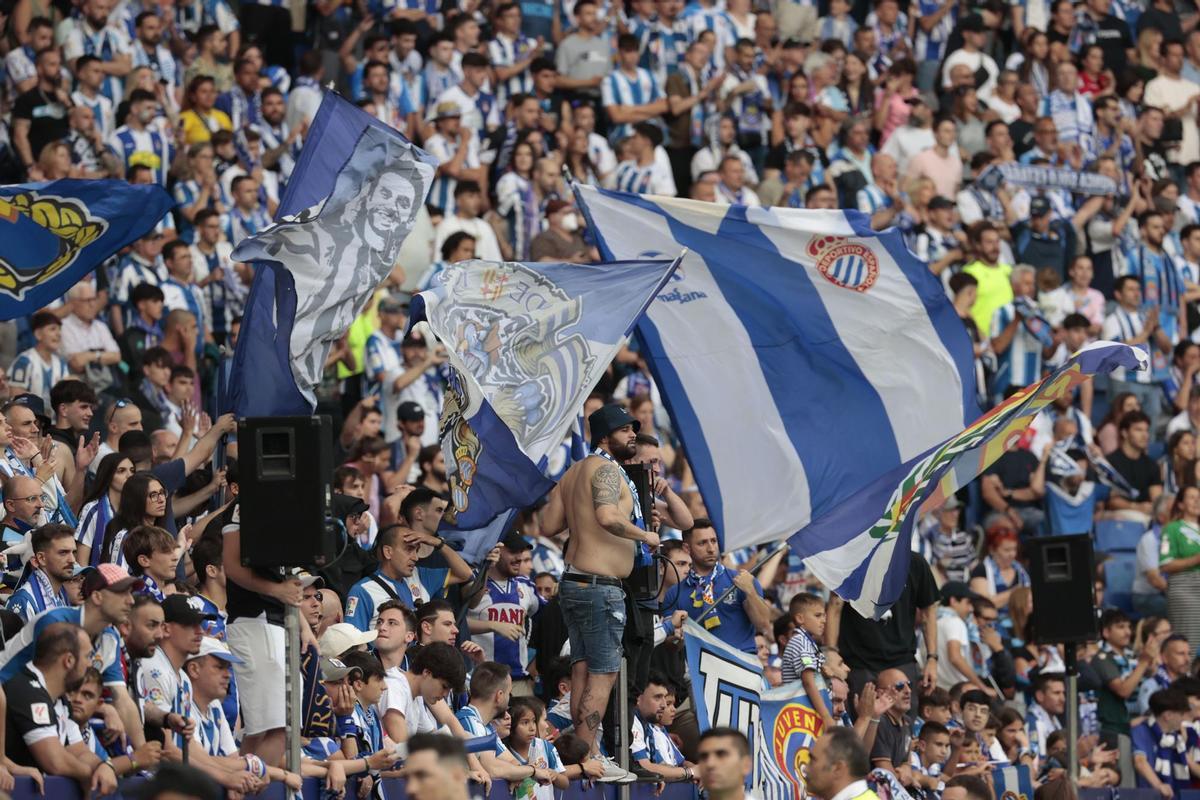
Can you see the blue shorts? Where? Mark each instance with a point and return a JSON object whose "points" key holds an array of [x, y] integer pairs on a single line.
{"points": [[595, 619]]}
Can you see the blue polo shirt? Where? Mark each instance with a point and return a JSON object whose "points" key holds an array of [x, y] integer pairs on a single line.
{"points": [[729, 622]]}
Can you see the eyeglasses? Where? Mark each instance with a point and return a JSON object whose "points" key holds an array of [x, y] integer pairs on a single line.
{"points": [[988, 621], [158, 495], [33, 498]]}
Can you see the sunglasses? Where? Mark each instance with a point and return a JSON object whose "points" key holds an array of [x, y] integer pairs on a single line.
{"points": [[123, 402], [900, 686]]}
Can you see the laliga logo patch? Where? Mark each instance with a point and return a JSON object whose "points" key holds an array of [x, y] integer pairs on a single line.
{"points": [[48, 233], [844, 263]]}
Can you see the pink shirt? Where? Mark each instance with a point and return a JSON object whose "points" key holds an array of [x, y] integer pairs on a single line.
{"points": [[898, 112], [946, 173]]}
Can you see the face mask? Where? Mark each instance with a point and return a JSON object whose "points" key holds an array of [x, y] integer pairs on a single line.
{"points": [[570, 223]]}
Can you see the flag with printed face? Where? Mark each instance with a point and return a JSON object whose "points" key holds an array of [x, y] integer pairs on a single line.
{"points": [[526, 344], [350, 202], [53, 234]]}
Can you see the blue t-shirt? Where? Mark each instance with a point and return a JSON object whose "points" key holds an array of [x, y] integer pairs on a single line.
{"points": [[105, 657], [425, 584], [731, 623]]}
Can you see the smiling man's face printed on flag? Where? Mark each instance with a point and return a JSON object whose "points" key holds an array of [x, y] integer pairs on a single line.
{"points": [[339, 249]]}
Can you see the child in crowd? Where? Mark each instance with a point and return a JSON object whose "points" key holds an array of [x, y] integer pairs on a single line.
{"points": [[803, 658], [526, 747], [929, 756], [152, 554]]}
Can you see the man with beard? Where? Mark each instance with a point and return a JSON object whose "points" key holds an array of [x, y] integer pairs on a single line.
{"points": [[739, 616], [52, 564], [39, 116], [142, 636], [281, 144], [36, 704], [164, 689], [599, 503], [649, 743], [432, 462]]}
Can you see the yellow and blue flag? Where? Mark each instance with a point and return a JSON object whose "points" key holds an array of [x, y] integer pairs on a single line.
{"points": [[52, 234]]}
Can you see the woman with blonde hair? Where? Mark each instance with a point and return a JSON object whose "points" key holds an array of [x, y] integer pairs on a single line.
{"points": [[54, 163]]}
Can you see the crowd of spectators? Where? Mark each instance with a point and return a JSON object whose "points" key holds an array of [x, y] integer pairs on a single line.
{"points": [[143, 635]]}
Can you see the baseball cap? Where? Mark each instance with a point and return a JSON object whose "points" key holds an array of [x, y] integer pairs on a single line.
{"points": [[447, 110], [34, 403], [308, 579], [609, 418], [1039, 207], [973, 23], [113, 578], [515, 542], [179, 608], [940, 202], [392, 305], [333, 669], [957, 590], [342, 636], [210, 646], [410, 411]]}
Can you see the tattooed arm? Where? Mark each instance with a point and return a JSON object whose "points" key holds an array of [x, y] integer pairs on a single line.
{"points": [[606, 500]]}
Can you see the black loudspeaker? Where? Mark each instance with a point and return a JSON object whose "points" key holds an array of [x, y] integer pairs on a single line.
{"points": [[285, 487], [1062, 574]]}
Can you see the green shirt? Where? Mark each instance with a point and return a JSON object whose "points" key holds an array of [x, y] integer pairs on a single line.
{"points": [[1179, 540], [995, 291]]}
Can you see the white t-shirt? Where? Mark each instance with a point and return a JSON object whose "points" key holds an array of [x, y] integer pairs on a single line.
{"points": [[398, 696], [951, 628]]}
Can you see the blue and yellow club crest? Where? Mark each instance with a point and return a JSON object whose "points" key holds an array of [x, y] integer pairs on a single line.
{"points": [[43, 235]]}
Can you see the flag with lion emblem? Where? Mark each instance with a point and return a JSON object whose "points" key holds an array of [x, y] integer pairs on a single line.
{"points": [[526, 344], [53, 234]]}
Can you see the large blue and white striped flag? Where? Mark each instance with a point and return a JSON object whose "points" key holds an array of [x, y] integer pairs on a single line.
{"points": [[800, 353]]}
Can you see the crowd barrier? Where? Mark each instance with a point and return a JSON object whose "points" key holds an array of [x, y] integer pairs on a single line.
{"points": [[393, 789]]}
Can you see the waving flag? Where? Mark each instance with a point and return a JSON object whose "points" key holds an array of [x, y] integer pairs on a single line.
{"points": [[800, 353], [350, 202], [727, 686], [52, 234], [861, 549], [527, 343]]}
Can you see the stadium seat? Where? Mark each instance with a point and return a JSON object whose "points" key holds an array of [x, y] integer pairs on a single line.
{"points": [[1118, 535], [1118, 575]]}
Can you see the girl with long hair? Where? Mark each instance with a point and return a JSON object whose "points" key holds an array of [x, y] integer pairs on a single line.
{"points": [[100, 505], [143, 502]]}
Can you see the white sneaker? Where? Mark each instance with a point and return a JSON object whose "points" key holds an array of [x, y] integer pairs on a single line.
{"points": [[613, 773]]}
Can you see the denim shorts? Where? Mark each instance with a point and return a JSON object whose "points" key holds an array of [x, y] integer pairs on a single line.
{"points": [[595, 619]]}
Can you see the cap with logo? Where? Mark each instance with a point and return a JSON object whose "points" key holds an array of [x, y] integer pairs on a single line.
{"points": [[609, 418], [410, 411], [210, 646], [333, 669], [515, 542], [184, 610]]}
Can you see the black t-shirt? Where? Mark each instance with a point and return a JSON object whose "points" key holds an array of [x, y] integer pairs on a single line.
{"points": [[892, 741], [1141, 472], [239, 601], [31, 716], [47, 118], [1021, 132], [1114, 39], [1015, 468], [1167, 23], [891, 641]]}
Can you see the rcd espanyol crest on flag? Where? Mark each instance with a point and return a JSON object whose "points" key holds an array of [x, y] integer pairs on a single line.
{"points": [[844, 263], [789, 727]]}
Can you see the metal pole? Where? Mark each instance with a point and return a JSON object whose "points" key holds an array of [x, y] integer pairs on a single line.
{"points": [[1072, 714], [291, 628], [621, 737]]}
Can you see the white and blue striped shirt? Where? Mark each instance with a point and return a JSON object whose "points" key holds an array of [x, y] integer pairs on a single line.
{"points": [[146, 147], [931, 45], [871, 198], [1072, 116], [165, 67], [1121, 326], [105, 44], [1021, 363], [441, 194], [35, 375], [506, 52], [620, 89], [720, 23], [102, 111]]}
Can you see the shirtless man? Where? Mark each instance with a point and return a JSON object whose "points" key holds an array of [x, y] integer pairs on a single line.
{"points": [[594, 500]]}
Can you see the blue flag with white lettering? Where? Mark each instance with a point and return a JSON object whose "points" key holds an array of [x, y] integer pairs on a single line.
{"points": [[526, 344], [53, 234], [350, 202]]}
